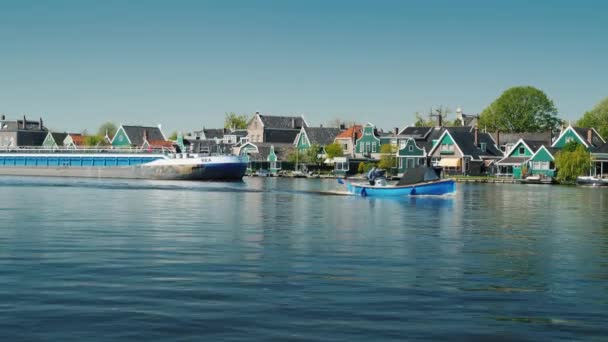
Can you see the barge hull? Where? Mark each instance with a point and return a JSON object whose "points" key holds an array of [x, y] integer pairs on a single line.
{"points": [[222, 172]]}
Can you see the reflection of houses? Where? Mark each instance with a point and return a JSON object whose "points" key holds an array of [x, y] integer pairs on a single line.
{"points": [[516, 161], [465, 151], [139, 137], [14, 133], [316, 136]]}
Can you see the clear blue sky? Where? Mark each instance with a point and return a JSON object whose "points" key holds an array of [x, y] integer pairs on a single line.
{"points": [[185, 63]]}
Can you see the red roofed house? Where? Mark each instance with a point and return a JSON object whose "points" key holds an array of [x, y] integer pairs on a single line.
{"points": [[347, 139]]}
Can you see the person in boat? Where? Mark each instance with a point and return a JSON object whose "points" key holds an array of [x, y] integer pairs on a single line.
{"points": [[374, 174]]}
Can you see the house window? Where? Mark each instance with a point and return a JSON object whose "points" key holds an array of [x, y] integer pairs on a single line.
{"points": [[522, 150], [373, 147], [483, 146], [447, 149], [345, 147], [367, 147], [411, 148]]}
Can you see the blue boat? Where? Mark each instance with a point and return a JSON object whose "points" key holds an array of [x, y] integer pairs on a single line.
{"points": [[434, 188]]}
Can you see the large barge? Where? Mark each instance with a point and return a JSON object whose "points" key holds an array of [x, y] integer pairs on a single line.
{"points": [[120, 163]]}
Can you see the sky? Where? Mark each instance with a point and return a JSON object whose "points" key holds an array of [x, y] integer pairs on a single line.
{"points": [[184, 64]]}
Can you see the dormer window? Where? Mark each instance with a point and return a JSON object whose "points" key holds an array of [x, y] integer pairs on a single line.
{"points": [[411, 148], [482, 146], [522, 150]]}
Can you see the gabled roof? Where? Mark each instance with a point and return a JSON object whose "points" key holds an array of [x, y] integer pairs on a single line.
{"points": [[581, 133], [321, 136], [238, 132], [551, 150], [356, 130], [59, 138], [280, 135], [136, 134], [416, 132], [596, 138], [465, 142], [513, 160], [512, 138], [282, 122], [263, 150], [213, 133]]}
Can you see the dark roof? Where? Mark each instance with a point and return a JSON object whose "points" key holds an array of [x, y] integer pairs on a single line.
{"points": [[535, 145], [280, 135], [600, 149], [511, 138], [213, 133], [466, 142], [513, 160], [282, 122], [136, 134], [416, 132], [427, 143], [596, 140], [59, 138], [30, 138], [238, 132], [322, 136]]}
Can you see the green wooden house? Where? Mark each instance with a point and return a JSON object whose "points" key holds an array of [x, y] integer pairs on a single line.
{"points": [[54, 140], [515, 161], [137, 136], [588, 137], [542, 162], [368, 146], [410, 155]]}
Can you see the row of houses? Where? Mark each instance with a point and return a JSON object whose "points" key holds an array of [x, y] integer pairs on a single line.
{"points": [[271, 139], [28, 133], [463, 150]]}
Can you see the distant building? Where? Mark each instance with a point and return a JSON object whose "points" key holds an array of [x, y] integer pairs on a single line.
{"points": [[54, 140], [348, 138], [467, 120], [274, 129], [139, 136], [16, 133]]}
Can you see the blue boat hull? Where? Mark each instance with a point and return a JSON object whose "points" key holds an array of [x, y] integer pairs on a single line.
{"points": [[438, 188]]}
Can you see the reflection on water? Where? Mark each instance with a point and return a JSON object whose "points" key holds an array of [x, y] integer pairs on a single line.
{"points": [[278, 259]]}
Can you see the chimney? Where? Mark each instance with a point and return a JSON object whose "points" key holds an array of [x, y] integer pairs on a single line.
{"points": [[342, 126], [590, 137], [24, 121], [459, 115], [498, 138], [440, 120], [3, 117], [550, 136], [396, 130], [321, 125], [476, 132], [40, 127], [293, 122]]}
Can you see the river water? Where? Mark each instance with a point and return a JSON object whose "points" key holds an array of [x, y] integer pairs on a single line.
{"points": [[277, 259]]}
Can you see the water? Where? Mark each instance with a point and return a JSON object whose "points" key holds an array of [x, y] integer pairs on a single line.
{"points": [[273, 259]]}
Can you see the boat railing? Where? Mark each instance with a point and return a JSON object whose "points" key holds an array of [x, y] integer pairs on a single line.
{"points": [[84, 150]]}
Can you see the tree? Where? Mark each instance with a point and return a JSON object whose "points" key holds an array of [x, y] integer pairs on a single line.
{"points": [[234, 121], [388, 160], [334, 150], [572, 161], [173, 136], [108, 127], [520, 109], [93, 140], [597, 118], [312, 155]]}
